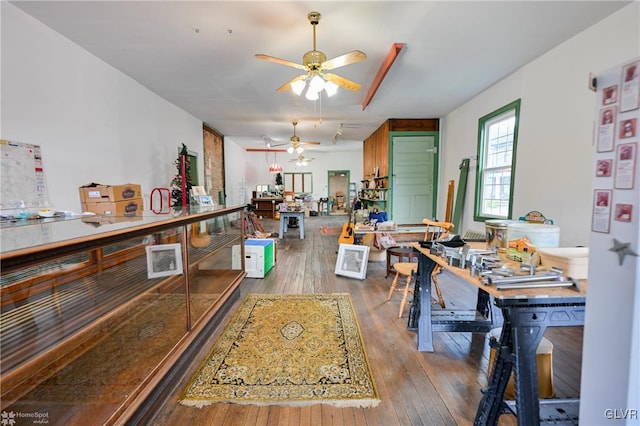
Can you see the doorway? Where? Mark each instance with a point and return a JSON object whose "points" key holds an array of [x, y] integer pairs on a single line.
{"points": [[414, 168], [338, 191]]}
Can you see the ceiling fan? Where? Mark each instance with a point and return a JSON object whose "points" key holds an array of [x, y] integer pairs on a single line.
{"points": [[296, 145], [315, 63], [301, 160]]}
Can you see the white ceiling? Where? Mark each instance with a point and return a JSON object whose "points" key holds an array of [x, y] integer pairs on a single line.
{"points": [[200, 55]]}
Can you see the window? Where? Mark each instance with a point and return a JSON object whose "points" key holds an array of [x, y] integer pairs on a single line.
{"points": [[298, 183], [497, 140]]}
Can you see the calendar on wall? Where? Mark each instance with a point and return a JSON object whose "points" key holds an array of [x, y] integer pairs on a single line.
{"points": [[22, 176]]}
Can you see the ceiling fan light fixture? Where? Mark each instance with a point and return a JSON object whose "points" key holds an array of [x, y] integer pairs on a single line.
{"points": [[290, 150], [298, 86], [311, 94], [331, 88], [298, 163], [299, 150], [317, 83]]}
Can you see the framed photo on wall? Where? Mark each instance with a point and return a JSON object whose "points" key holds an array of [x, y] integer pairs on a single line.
{"points": [[352, 261], [164, 260], [601, 210], [625, 165]]}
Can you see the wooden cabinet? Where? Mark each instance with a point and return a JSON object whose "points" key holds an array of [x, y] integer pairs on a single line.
{"points": [[377, 156], [265, 208], [375, 149]]}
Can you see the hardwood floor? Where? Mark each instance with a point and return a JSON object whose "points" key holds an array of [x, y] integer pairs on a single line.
{"points": [[416, 388]]}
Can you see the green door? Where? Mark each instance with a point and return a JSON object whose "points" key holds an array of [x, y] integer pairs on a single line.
{"points": [[414, 170]]}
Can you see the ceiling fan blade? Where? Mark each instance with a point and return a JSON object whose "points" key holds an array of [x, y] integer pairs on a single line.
{"points": [[272, 145], [342, 60], [310, 143], [279, 61], [288, 84], [342, 82]]}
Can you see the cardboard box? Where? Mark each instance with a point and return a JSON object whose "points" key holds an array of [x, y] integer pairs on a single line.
{"points": [[118, 208], [544, 364], [95, 192]]}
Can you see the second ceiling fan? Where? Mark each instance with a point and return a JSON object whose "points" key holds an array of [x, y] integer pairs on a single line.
{"points": [[315, 63], [296, 145]]}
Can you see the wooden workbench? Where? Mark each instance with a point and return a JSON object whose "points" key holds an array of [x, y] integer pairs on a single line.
{"points": [[527, 312]]}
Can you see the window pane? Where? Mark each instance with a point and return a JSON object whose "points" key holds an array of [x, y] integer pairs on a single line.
{"points": [[496, 149]]}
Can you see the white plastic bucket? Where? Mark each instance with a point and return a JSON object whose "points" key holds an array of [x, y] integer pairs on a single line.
{"points": [[540, 235]]}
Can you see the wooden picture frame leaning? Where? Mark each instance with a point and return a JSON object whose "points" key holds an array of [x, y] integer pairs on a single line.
{"points": [[164, 260], [352, 261]]}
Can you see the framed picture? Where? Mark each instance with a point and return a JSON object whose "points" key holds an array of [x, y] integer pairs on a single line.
{"points": [[604, 167], [205, 200], [624, 212], [630, 92], [601, 210], [198, 191], [625, 166], [606, 129], [352, 261], [164, 260]]}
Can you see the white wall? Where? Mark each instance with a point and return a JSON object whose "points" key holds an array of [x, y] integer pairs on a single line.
{"points": [[94, 123], [254, 167], [554, 174], [554, 157]]}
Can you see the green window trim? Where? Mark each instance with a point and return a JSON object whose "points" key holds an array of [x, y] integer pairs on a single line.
{"points": [[496, 165]]}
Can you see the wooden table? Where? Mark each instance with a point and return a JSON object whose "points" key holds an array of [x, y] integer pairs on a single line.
{"points": [[402, 253], [527, 313], [284, 221]]}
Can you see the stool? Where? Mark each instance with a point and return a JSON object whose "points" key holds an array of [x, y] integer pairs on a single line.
{"points": [[544, 362], [407, 253], [406, 269], [323, 207]]}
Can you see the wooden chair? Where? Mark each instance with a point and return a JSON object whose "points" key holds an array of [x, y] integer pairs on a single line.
{"points": [[440, 231], [435, 231]]}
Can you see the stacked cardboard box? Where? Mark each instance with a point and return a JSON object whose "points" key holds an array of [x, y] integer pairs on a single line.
{"points": [[116, 200]]}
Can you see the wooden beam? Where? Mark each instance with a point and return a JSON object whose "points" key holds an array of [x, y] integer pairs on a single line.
{"points": [[382, 72]]}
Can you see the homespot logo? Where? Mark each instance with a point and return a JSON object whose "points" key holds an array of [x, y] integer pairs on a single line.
{"points": [[10, 418]]}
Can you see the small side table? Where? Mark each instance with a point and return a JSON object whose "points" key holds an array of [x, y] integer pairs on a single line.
{"points": [[407, 254]]}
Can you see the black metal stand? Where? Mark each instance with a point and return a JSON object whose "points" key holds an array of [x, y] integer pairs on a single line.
{"points": [[525, 321], [426, 321]]}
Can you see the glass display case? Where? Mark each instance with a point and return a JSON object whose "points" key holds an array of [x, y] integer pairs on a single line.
{"points": [[94, 308]]}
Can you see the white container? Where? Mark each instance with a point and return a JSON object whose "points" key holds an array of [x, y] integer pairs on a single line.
{"points": [[540, 235], [574, 261]]}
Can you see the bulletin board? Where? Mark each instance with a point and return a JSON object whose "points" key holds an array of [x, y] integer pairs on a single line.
{"points": [[21, 176]]}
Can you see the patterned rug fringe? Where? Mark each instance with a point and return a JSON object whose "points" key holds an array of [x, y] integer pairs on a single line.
{"points": [[339, 403]]}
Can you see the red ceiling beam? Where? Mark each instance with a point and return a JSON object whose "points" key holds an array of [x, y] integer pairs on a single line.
{"points": [[382, 72]]}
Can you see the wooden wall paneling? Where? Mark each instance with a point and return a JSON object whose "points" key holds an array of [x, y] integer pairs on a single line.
{"points": [[376, 146]]}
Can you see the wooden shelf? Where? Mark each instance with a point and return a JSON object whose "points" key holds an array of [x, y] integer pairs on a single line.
{"points": [[265, 208]]}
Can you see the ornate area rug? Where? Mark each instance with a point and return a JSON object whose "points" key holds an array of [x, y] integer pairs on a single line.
{"points": [[287, 350]]}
